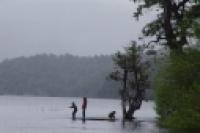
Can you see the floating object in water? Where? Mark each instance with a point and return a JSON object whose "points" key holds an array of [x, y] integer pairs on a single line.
{"points": [[97, 119]]}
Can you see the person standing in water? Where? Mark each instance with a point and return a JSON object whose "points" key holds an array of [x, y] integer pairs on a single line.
{"points": [[74, 111], [84, 106]]}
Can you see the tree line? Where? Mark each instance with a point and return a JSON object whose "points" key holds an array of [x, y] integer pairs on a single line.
{"points": [[52, 75]]}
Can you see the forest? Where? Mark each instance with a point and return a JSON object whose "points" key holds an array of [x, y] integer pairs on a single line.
{"points": [[53, 75]]}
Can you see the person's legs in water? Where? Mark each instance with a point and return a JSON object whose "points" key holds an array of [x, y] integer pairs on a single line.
{"points": [[84, 106], [83, 115], [74, 115]]}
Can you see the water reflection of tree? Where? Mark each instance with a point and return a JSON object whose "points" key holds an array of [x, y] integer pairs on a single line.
{"points": [[184, 131]]}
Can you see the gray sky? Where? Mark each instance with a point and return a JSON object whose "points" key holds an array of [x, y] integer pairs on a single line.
{"points": [[79, 27]]}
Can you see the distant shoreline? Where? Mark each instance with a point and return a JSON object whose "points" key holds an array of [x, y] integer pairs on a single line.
{"points": [[10, 95]]}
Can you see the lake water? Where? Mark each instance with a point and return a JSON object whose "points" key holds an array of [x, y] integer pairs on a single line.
{"points": [[52, 115]]}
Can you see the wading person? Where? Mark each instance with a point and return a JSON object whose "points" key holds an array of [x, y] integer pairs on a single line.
{"points": [[74, 110], [84, 106]]}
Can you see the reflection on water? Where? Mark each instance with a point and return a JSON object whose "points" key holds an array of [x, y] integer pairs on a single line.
{"points": [[138, 126], [152, 127], [184, 131], [142, 126]]}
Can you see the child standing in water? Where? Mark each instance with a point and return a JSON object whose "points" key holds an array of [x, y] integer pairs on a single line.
{"points": [[74, 111]]}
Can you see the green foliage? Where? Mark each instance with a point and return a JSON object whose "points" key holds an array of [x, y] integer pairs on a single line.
{"points": [[131, 71], [177, 91], [178, 84], [131, 61], [176, 22]]}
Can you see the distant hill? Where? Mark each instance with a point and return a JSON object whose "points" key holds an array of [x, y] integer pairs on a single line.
{"points": [[52, 75]]}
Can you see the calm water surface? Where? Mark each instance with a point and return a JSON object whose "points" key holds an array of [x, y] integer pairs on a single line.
{"points": [[52, 115]]}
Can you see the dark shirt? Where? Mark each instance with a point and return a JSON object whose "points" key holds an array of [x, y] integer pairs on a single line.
{"points": [[74, 107]]}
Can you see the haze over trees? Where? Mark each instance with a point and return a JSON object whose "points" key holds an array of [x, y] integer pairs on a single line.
{"points": [[51, 75]]}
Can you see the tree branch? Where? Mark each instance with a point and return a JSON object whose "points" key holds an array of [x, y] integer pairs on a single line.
{"points": [[158, 38], [182, 3]]}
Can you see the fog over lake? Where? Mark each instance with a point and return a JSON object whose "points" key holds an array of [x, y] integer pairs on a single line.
{"points": [[79, 27]]}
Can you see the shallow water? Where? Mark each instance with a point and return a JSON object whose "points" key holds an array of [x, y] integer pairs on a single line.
{"points": [[52, 115]]}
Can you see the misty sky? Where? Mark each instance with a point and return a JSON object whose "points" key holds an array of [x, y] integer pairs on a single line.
{"points": [[79, 27]]}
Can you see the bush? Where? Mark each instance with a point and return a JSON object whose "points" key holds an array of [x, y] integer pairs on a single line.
{"points": [[177, 91]]}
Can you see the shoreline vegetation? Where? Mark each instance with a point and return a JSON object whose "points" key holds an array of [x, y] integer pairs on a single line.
{"points": [[176, 28], [57, 76]]}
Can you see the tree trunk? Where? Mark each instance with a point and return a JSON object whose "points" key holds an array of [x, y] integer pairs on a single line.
{"points": [[167, 24], [171, 37], [123, 95]]}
